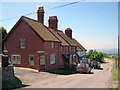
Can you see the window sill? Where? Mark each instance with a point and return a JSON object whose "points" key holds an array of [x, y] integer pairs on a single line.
{"points": [[53, 64], [16, 64]]}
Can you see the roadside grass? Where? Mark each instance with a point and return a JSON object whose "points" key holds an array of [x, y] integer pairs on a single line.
{"points": [[115, 73], [11, 84], [62, 72], [115, 70]]}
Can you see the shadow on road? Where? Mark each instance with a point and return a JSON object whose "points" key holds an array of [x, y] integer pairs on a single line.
{"points": [[98, 68], [22, 86], [105, 62], [85, 73]]}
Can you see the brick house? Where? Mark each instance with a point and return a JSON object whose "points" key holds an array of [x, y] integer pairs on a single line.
{"points": [[31, 44]]}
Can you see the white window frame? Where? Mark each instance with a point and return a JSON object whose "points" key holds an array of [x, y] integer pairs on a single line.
{"points": [[70, 48], [52, 59], [22, 43], [16, 62], [61, 48], [32, 64], [67, 48], [74, 48], [53, 45], [70, 59]]}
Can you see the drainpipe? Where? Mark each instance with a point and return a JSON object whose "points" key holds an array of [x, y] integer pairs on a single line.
{"points": [[58, 55]]}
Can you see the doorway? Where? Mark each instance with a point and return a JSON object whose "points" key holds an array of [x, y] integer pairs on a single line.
{"points": [[42, 63]]}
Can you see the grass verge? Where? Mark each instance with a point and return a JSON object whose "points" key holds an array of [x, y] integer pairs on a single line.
{"points": [[62, 71], [11, 84], [115, 70]]}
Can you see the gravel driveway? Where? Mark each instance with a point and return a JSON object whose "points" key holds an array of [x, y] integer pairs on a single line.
{"points": [[99, 79]]}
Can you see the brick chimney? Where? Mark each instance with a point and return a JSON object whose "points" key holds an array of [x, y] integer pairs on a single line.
{"points": [[68, 32], [53, 22], [40, 14]]}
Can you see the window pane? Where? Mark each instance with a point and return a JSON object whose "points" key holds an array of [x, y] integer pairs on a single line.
{"points": [[23, 43], [52, 59], [52, 44], [42, 60], [16, 59], [31, 59]]}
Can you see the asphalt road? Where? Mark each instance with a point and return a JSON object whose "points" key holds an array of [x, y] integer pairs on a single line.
{"points": [[100, 78]]}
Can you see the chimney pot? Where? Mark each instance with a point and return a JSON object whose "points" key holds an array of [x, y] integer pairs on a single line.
{"points": [[68, 32], [53, 22], [40, 14]]}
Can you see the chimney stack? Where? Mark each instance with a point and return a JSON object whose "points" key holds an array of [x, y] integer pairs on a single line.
{"points": [[68, 32], [53, 22], [40, 14]]}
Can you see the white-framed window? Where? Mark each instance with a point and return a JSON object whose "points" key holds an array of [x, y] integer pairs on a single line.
{"points": [[16, 59], [31, 60], [70, 49], [22, 43], [61, 48], [74, 48], [52, 44], [52, 59], [70, 59]]}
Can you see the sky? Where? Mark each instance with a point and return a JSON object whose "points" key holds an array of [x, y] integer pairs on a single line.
{"points": [[94, 24]]}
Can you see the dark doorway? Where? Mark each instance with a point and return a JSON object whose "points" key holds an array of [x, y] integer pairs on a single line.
{"points": [[66, 62]]}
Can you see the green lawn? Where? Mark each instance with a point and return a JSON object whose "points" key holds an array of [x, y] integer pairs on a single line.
{"points": [[62, 71]]}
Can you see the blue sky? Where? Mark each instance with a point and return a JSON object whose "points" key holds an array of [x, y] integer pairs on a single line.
{"points": [[94, 24]]}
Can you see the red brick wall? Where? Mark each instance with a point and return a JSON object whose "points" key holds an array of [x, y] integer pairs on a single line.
{"points": [[48, 47], [33, 44]]}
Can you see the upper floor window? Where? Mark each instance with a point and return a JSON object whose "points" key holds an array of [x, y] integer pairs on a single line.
{"points": [[70, 49], [61, 48], [22, 43], [67, 48], [74, 48], [52, 44]]}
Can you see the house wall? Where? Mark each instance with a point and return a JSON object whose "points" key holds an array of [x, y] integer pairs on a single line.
{"points": [[61, 62], [48, 47], [33, 43]]}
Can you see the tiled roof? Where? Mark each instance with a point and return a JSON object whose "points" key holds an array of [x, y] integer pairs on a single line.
{"points": [[63, 42], [41, 30], [66, 38], [79, 45]]}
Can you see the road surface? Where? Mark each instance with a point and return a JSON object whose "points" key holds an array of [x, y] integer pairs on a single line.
{"points": [[98, 79]]}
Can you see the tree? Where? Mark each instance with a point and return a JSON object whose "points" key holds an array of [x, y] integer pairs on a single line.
{"points": [[89, 53], [96, 56], [4, 32]]}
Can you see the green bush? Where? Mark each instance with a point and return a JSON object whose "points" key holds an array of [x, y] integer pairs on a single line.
{"points": [[11, 84]]}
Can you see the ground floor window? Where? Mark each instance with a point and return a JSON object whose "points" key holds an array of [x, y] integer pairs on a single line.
{"points": [[52, 59], [31, 60], [16, 59], [70, 59]]}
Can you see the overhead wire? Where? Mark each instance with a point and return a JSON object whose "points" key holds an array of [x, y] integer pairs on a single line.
{"points": [[47, 9]]}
